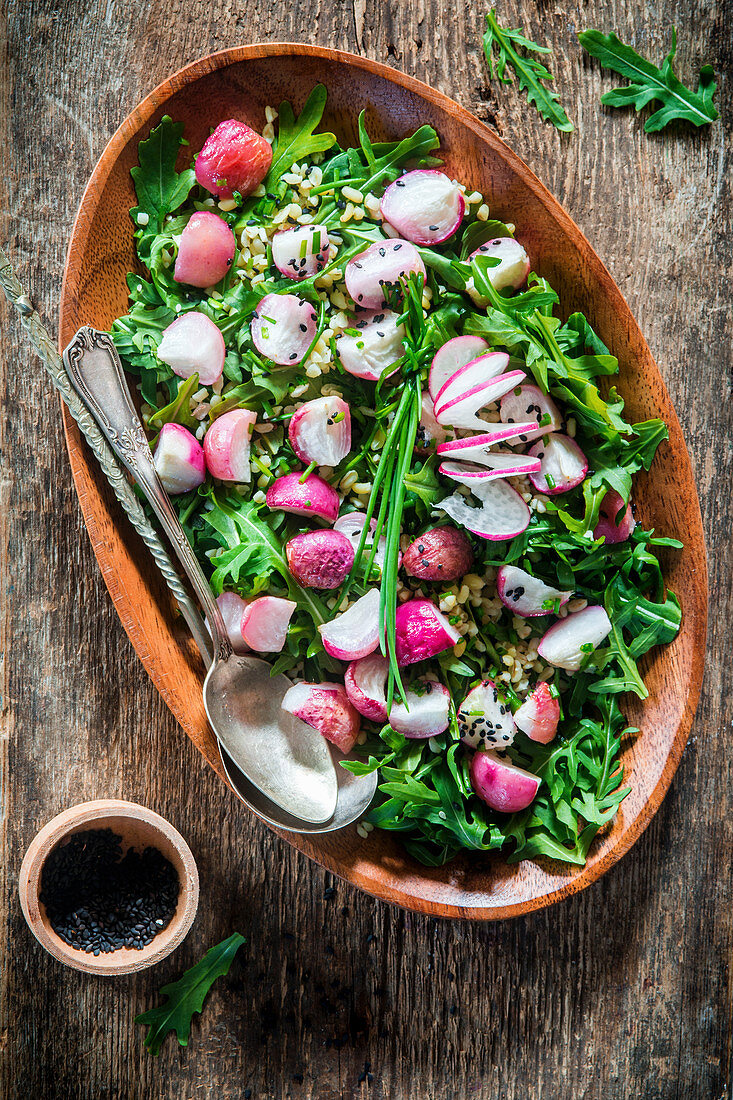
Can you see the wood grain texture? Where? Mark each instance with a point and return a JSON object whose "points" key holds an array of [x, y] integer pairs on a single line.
{"points": [[624, 991]]}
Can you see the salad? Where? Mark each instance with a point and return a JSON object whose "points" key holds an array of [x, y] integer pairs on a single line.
{"points": [[409, 482]]}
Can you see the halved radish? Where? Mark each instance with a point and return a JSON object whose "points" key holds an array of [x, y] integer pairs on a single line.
{"points": [[300, 252], [312, 497], [476, 448], [373, 275], [484, 719], [610, 526], [326, 707], [232, 609], [205, 252], [355, 632], [320, 431], [453, 355], [563, 464], [226, 445], [526, 595], [539, 715], [319, 559], [441, 554], [429, 430], [496, 464], [460, 411], [179, 459], [234, 158], [352, 525], [424, 206], [283, 328], [192, 344], [529, 403], [423, 714], [375, 348], [502, 785], [422, 631], [513, 269], [265, 623], [474, 373], [365, 681], [502, 515], [568, 642]]}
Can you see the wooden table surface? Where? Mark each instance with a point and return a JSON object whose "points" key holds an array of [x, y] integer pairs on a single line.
{"points": [[621, 992]]}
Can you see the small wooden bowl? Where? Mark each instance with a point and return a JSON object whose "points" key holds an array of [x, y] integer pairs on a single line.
{"points": [[139, 828]]}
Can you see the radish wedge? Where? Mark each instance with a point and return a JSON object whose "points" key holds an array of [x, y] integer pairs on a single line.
{"points": [[226, 445], [497, 464], [376, 348], [526, 595], [424, 206], [422, 631], [313, 497], [192, 344], [179, 459], [568, 642], [301, 252], [539, 715], [319, 559], [609, 525], [513, 269], [320, 431], [352, 525], [484, 719], [265, 623], [373, 275], [476, 448], [502, 515], [453, 355], [355, 632], [232, 609], [283, 328], [326, 707], [422, 715], [472, 374], [502, 785], [529, 403], [564, 465], [460, 411], [205, 252], [365, 681], [234, 158]]}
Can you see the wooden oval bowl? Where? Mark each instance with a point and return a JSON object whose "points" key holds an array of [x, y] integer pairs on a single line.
{"points": [[240, 83]]}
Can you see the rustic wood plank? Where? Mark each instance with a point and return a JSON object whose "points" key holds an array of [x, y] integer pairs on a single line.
{"points": [[624, 991]]}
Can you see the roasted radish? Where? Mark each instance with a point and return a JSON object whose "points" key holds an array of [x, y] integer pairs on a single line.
{"points": [[421, 632], [563, 464], [441, 554], [233, 158], [502, 515], [326, 707], [365, 681], [319, 559], [425, 713], [226, 445], [352, 525], [460, 411], [179, 459], [283, 328], [424, 206], [376, 273], [313, 497], [477, 372], [206, 250], [526, 404], [232, 609], [484, 719], [192, 344], [355, 632], [451, 357], [513, 268], [320, 431], [568, 642], [539, 715], [373, 346], [301, 252], [502, 785], [265, 623], [616, 520], [526, 595]]}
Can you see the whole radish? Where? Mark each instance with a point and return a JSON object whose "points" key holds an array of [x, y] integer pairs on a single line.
{"points": [[441, 554], [319, 559], [206, 250], [234, 158]]}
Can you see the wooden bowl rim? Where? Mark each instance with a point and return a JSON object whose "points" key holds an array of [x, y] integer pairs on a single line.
{"points": [[358, 872]]}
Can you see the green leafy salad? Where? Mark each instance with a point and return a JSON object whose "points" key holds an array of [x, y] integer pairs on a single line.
{"points": [[409, 482]]}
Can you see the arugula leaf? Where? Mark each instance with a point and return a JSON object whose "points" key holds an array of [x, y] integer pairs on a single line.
{"points": [[160, 189], [295, 138], [650, 83], [530, 71], [187, 995], [177, 412]]}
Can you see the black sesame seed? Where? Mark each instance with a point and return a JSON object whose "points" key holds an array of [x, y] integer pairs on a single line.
{"points": [[303, 328], [397, 247], [294, 355], [433, 228]]}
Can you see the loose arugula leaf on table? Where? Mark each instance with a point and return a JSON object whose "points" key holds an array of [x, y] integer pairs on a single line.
{"points": [[187, 995], [649, 83], [160, 189]]}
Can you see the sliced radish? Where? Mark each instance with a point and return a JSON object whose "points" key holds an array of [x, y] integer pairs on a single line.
{"points": [[301, 252], [234, 158], [529, 403], [484, 719], [502, 785], [265, 623], [232, 609], [373, 275], [326, 707], [319, 559], [313, 497], [502, 515], [610, 526], [460, 411], [226, 445], [476, 448], [526, 595], [354, 633], [539, 715], [179, 459], [453, 355], [429, 430], [205, 252], [424, 206], [320, 431], [377, 346], [422, 715], [513, 269], [497, 464], [193, 344], [283, 328], [421, 632], [472, 374], [568, 642], [365, 681], [441, 554], [563, 464], [352, 525]]}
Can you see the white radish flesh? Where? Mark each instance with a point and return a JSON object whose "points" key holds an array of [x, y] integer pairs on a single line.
{"points": [[429, 430], [424, 206], [283, 328], [496, 464], [377, 346], [484, 719], [423, 714], [365, 681], [477, 448], [513, 269], [453, 355], [326, 707], [568, 642], [526, 595], [265, 623], [232, 609], [205, 252], [373, 275], [539, 715], [320, 431], [179, 459], [529, 403], [609, 526], [352, 525], [226, 445], [502, 785], [563, 464], [192, 344], [301, 252], [319, 559], [460, 412], [472, 374], [502, 515], [313, 497], [355, 632], [421, 632]]}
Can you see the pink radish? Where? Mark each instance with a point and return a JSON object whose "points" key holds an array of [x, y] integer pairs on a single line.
{"points": [[192, 344], [226, 445], [352, 525], [429, 430], [179, 459], [313, 497], [526, 595], [563, 464], [320, 431], [376, 347], [421, 632], [497, 464], [460, 411], [206, 250], [502, 515], [424, 206], [423, 714], [326, 707], [474, 373], [365, 681], [300, 252], [476, 448], [319, 559], [502, 785], [232, 609], [283, 328], [355, 632], [539, 715], [568, 642], [451, 357], [484, 719], [265, 623], [373, 275], [441, 554], [529, 403], [610, 526], [513, 269], [234, 158]]}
